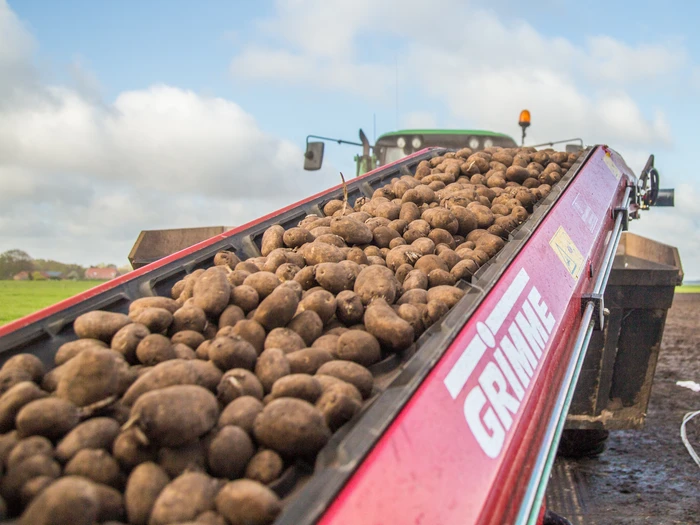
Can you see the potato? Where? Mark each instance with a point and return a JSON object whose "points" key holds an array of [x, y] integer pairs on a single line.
{"points": [[238, 382], [91, 376], [277, 309], [175, 415], [189, 317], [174, 372], [322, 302], [154, 349], [97, 465], [448, 295], [30, 490], [99, 325], [131, 448], [301, 386], [440, 277], [14, 399], [191, 457], [414, 295], [189, 338], [413, 315], [96, 433], [7, 442], [229, 452], [307, 325], [245, 297], [38, 465], [28, 447], [252, 332], [211, 517], [154, 302], [291, 427], [232, 352], [353, 373], [416, 279], [71, 499], [157, 320], [441, 218], [227, 259], [352, 231], [376, 282], [125, 341], [236, 278], [241, 412], [295, 237], [49, 417], [285, 339], [212, 291], [265, 467], [270, 366], [319, 252], [70, 349], [358, 346], [308, 360], [184, 498], [264, 283], [424, 246], [247, 502], [464, 269], [382, 322], [349, 308], [272, 239], [22, 366], [337, 407]]}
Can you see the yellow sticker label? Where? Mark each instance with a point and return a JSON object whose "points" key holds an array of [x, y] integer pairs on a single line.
{"points": [[567, 252], [607, 158]]}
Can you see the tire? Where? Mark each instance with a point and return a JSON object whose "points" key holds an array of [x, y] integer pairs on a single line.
{"points": [[582, 443]]}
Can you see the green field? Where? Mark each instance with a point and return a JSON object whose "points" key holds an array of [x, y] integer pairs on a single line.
{"points": [[688, 288], [20, 298]]}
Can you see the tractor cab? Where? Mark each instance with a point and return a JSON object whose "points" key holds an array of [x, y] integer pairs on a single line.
{"points": [[396, 145]]}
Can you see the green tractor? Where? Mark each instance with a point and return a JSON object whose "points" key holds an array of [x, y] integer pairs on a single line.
{"points": [[396, 145]]}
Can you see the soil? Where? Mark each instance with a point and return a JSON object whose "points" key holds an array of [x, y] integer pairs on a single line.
{"points": [[647, 476]]}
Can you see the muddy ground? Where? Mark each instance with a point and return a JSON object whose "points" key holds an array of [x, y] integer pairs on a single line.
{"points": [[647, 476]]}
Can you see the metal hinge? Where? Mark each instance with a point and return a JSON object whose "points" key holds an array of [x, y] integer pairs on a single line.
{"points": [[599, 310]]}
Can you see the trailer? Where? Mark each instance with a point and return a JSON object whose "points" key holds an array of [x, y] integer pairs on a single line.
{"points": [[463, 427]]}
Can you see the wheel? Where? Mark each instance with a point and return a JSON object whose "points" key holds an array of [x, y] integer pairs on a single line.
{"points": [[582, 443]]}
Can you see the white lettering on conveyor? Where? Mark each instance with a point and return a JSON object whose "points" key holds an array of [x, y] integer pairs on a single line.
{"points": [[491, 405]]}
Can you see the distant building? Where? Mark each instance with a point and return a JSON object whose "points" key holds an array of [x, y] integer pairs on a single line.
{"points": [[101, 274], [55, 276], [72, 275], [21, 276]]}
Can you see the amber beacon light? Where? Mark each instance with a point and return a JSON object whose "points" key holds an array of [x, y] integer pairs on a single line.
{"points": [[524, 122]]}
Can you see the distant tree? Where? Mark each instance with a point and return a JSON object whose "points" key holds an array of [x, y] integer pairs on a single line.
{"points": [[14, 261], [124, 269], [48, 265], [105, 265], [38, 276]]}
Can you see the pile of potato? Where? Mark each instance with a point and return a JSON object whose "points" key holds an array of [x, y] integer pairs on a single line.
{"points": [[189, 408]]}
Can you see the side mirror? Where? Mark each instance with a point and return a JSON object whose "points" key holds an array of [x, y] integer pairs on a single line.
{"points": [[313, 158]]}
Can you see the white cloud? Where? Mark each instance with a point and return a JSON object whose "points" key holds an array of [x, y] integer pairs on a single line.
{"points": [[81, 177], [419, 120], [485, 74]]}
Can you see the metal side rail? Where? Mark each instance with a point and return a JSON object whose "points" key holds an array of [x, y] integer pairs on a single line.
{"points": [[592, 305]]}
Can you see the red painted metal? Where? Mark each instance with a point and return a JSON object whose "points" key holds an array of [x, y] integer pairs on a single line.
{"points": [[428, 467], [62, 305]]}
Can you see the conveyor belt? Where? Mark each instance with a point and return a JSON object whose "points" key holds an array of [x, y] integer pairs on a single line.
{"points": [[411, 456]]}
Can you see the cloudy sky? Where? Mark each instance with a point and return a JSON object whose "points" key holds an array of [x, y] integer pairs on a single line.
{"points": [[121, 116]]}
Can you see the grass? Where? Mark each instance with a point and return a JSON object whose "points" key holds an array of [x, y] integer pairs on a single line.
{"points": [[20, 298], [688, 288]]}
